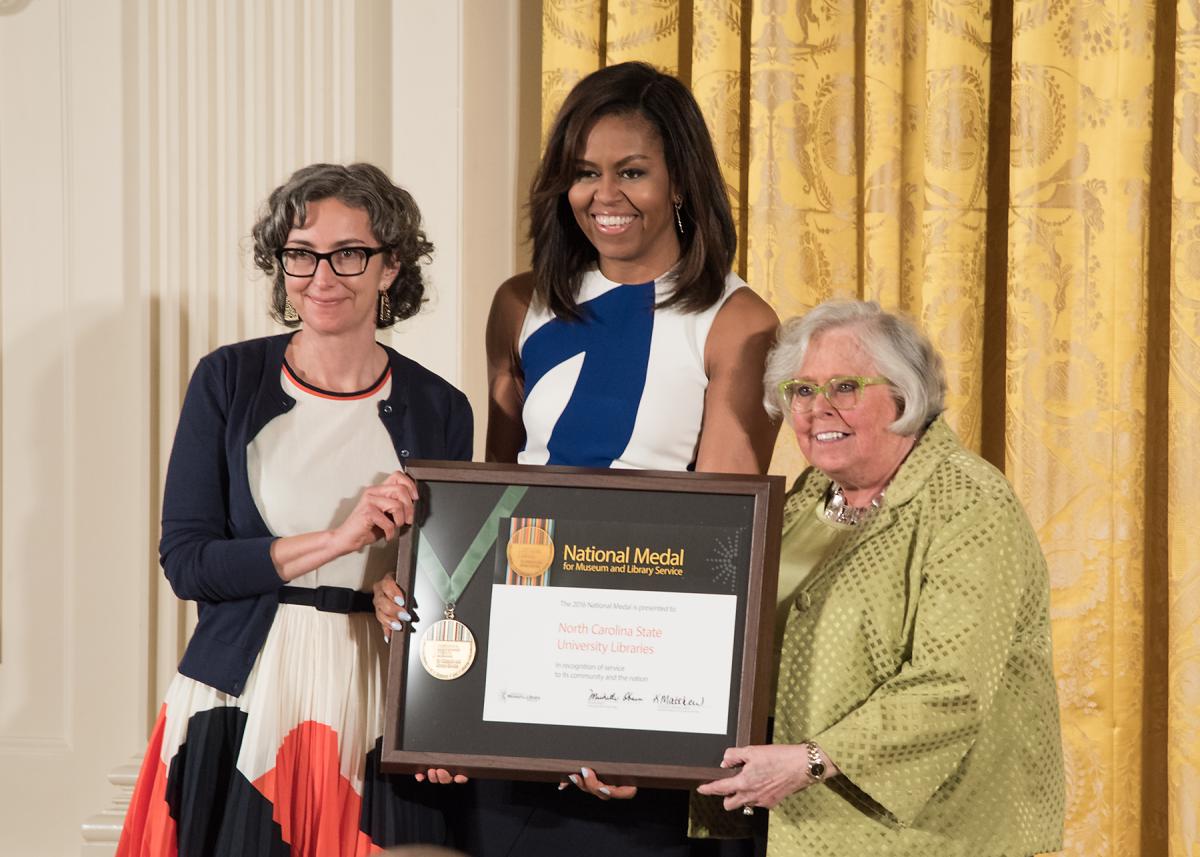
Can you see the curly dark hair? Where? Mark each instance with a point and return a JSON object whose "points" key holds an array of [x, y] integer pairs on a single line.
{"points": [[562, 253], [395, 221]]}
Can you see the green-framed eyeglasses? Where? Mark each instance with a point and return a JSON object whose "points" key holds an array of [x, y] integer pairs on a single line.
{"points": [[843, 392]]}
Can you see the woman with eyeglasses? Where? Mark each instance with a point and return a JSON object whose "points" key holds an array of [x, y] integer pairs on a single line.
{"points": [[915, 709], [284, 490]]}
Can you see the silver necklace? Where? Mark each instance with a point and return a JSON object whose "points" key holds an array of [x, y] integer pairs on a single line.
{"points": [[841, 512]]}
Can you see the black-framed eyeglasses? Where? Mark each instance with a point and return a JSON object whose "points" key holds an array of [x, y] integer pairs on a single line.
{"points": [[345, 261], [843, 392]]}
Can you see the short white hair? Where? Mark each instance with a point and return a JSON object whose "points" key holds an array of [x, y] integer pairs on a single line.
{"points": [[899, 350]]}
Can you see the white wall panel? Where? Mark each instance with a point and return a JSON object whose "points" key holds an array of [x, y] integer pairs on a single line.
{"points": [[33, 695], [427, 151], [75, 487]]}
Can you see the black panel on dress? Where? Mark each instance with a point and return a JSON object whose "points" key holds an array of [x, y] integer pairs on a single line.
{"points": [[217, 811], [519, 819], [397, 810]]}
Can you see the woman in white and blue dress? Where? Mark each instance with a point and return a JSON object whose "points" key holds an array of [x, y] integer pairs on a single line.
{"points": [[631, 344], [282, 497]]}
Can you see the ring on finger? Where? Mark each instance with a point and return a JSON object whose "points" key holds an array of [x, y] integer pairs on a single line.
{"points": [[747, 810]]}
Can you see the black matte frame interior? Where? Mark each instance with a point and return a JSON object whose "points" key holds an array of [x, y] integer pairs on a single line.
{"points": [[435, 723]]}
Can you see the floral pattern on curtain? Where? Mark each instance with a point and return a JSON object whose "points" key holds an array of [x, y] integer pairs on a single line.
{"points": [[1024, 179]]}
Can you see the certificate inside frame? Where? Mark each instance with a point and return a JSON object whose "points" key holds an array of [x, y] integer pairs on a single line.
{"points": [[731, 523]]}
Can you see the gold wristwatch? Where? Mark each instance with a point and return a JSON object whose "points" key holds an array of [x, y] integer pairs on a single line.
{"points": [[816, 768]]}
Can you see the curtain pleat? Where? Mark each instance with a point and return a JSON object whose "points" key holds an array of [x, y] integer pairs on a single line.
{"points": [[722, 89], [1078, 230], [1024, 179], [1181, 505], [573, 46], [943, 253]]}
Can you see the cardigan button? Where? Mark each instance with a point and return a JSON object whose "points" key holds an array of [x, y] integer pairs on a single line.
{"points": [[385, 408], [803, 601]]}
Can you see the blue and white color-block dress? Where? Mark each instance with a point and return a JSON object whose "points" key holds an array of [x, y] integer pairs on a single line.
{"points": [[624, 386]]}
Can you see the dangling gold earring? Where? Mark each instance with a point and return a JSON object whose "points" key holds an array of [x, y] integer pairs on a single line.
{"points": [[678, 219], [385, 309], [289, 311]]}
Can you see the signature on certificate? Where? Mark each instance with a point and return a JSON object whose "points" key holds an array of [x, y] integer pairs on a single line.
{"points": [[596, 697], [677, 701]]}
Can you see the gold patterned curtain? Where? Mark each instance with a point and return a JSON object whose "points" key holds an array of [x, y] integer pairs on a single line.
{"points": [[1023, 178]]}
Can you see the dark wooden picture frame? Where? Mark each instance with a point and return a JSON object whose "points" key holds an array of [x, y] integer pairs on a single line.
{"points": [[432, 723]]}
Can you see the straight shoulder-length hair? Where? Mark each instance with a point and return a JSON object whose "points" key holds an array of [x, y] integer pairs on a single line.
{"points": [[562, 254]]}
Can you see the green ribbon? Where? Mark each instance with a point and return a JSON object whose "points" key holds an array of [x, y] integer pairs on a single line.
{"points": [[449, 586]]}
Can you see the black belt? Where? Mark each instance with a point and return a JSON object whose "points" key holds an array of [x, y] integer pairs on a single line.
{"points": [[330, 599]]}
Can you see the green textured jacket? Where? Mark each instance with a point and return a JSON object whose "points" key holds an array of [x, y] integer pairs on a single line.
{"points": [[917, 656]]}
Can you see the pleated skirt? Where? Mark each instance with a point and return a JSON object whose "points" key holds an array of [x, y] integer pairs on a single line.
{"points": [[290, 767]]}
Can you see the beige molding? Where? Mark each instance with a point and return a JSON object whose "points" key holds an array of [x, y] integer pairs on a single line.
{"points": [[101, 832]]}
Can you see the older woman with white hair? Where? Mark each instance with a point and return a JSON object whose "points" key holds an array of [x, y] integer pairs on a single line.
{"points": [[915, 710]]}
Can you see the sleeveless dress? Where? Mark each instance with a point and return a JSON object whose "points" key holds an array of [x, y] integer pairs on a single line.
{"points": [[291, 766], [624, 388]]}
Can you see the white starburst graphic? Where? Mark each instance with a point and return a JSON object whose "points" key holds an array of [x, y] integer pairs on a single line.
{"points": [[723, 559]]}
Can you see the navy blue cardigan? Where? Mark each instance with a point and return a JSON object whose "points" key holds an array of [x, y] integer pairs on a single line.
{"points": [[215, 547]]}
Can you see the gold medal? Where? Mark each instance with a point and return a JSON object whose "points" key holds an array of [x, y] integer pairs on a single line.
{"points": [[530, 552], [447, 648]]}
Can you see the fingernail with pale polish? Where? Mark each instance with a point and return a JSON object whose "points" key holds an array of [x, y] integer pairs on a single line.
{"points": [[404, 616], [573, 779], [561, 786], [586, 773], [399, 599], [604, 791], [396, 626]]}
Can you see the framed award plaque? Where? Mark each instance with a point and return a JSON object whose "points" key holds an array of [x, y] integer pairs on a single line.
{"points": [[564, 617]]}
